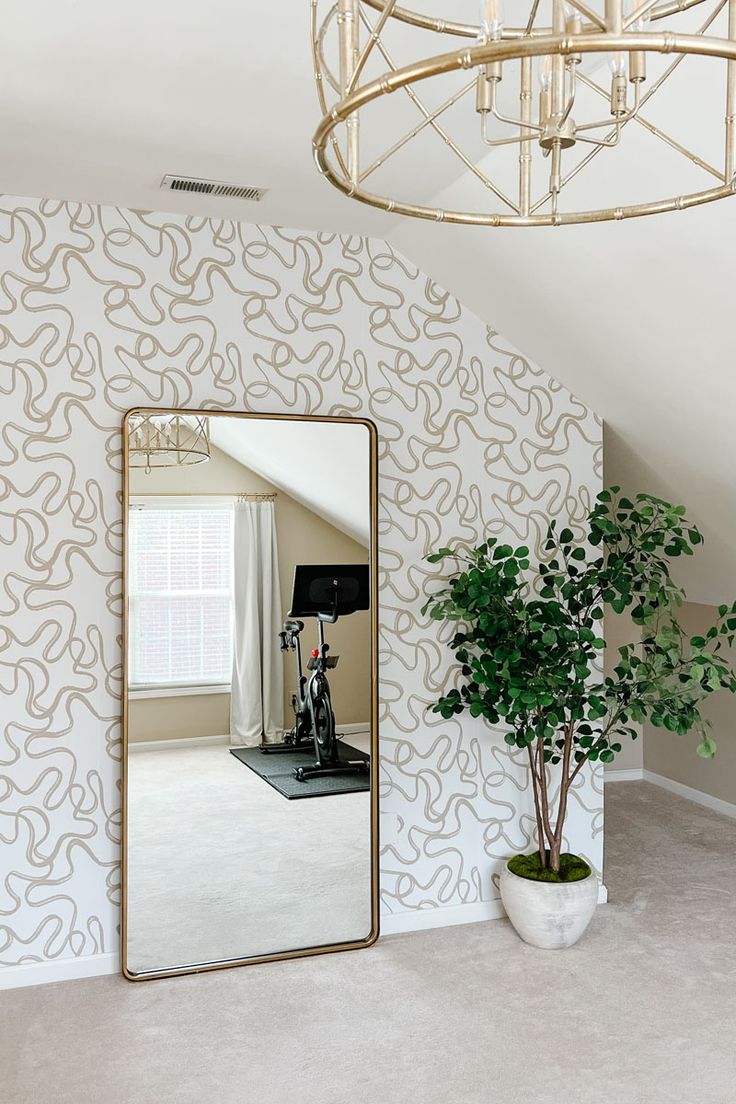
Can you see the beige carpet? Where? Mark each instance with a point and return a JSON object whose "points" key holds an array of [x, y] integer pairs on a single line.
{"points": [[643, 1011], [223, 866]]}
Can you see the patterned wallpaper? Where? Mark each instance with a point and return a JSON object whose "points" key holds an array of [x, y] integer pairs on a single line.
{"points": [[104, 309]]}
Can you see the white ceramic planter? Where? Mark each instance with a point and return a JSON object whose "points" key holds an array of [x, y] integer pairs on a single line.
{"points": [[551, 915]]}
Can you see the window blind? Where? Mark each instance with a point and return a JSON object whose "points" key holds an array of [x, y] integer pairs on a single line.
{"points": [[180, 595]]}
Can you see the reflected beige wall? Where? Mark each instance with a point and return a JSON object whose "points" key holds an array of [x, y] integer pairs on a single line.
{"points": [[303, 537], [674, 756], [619, 629], [178, 718]]}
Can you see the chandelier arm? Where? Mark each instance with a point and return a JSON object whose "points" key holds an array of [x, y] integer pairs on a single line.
{"points": [[525, 157], [654, 130], [662, 77], [375, 33], [317, 60], [682, 45], [573, 173], [681, 57], [324, 68], [532, 17], [416, 19], [417, 130], [604, 143], [729, 157], [606, 122], [465, 160], [471, 30], [639, 13], [514, 122], [442, 133], [633, 115], [674, 7], [555, 178], [514, 140], [348, 40], [570, 103], [589, 14], [668, 141], [557, 88]]}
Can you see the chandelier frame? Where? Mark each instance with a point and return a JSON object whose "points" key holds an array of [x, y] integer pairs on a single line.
{"points": [[167, 440], [511, 45]]}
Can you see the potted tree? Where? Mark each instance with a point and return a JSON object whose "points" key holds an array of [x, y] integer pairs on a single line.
{"points": [[528, 641]]}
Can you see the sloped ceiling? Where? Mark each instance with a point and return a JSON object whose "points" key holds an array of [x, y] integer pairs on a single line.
{"points": [[324, 466], [636, 320], [97, 102]]}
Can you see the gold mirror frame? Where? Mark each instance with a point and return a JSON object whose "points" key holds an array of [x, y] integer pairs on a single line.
{"points": [[328, 948]]}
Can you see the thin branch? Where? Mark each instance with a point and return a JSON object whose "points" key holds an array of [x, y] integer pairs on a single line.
{"points": [[564, 784], [543, 789], [537, 812]]}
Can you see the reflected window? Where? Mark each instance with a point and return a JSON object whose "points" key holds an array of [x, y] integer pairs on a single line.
{"points": [[181, 595]]}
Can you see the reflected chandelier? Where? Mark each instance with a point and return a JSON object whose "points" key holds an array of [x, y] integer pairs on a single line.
{"points": [[167, 440], [522, 147]]}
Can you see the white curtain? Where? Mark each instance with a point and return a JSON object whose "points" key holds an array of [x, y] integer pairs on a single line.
{"points": [[257, 697]]}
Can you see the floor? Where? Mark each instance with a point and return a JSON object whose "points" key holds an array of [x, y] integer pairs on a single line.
{"points": [[642, 1011], [221, 865]]}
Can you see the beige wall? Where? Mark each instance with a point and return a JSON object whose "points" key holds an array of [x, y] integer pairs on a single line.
{"points": [[617, 631], [179, 717], [303, 537], [674, 756]]}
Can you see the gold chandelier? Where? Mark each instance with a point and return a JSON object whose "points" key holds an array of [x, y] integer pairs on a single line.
{"points": [[471, 86], [167, 440]]}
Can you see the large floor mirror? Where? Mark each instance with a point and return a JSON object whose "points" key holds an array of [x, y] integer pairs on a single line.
{"points": [[250, 807]]}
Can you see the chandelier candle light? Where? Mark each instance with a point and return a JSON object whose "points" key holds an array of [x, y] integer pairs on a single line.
{"points": [[553, 136], [167, 440]]}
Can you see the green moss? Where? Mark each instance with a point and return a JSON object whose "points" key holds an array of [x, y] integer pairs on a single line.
{"points": [[572, 868]]}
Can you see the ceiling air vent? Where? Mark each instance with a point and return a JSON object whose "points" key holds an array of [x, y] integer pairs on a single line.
{"points": [[211, 187]]}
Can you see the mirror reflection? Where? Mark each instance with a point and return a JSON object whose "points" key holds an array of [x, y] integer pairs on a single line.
{"points": [[249, 711]]}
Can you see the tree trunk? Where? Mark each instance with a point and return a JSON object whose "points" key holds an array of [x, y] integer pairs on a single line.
{"points": [[537, 809], [555, 847], [546, 835]]}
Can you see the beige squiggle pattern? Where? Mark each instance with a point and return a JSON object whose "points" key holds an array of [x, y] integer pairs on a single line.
{"points": [[104, 309]]}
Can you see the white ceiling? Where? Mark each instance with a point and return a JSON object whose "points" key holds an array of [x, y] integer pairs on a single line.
{"points": [[98, 101], [323, 465]]}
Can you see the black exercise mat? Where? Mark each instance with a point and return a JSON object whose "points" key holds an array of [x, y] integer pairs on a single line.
{"points": [[277, 768]]}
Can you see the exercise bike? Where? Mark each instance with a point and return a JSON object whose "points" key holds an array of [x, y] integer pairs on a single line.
{"points": [[325, 593], [299, 736], [322, 715]]}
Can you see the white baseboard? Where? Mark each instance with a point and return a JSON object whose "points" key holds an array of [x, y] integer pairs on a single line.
{"points": [[204, 741], [394, 923], [639, 774], [188, 742], [727, 808], [63, 969], [68, 969], [625, 774]]}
